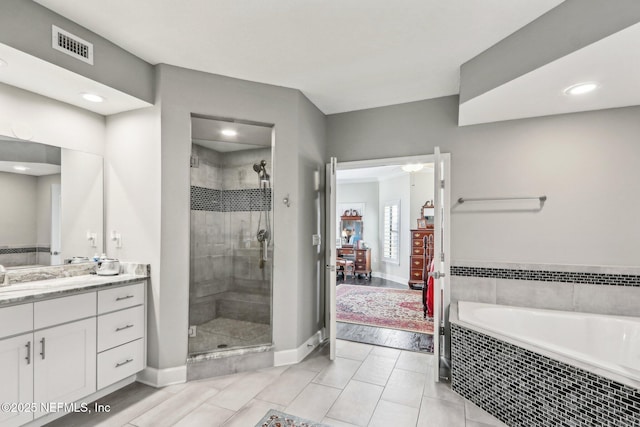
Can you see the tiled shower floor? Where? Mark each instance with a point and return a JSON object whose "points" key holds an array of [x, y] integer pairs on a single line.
{"points": [[228, 333]]}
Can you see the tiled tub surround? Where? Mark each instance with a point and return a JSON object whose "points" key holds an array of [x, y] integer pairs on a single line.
{"points": [[230, 295], [524, 385], [591, 289]]}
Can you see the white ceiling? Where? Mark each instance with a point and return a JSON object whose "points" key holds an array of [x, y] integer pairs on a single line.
{"points": [[208, 133], [613, 62], [343, 56], [375, 173]]}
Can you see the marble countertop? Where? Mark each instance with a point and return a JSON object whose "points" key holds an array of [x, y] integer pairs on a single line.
{"points": [[53, 288]]}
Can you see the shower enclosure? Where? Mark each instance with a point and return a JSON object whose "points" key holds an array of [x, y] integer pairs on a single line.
{"points": [[230, 284]]}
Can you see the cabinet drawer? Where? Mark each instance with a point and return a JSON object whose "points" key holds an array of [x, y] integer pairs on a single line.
{"points": [[417, 262], [119, 298], [120, 362], [417, 251], [16, 319], [345, 251], [360, 259], [120, 327], [418, 243], [416, 274], [62, 310]]}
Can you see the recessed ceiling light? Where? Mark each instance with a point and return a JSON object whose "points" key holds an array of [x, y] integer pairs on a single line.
{"points": [[3, 63], [92, 97], [581, 88], [229, 132], [412, 167], [21, 168]]}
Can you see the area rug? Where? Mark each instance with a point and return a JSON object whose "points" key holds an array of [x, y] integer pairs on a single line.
{"points": [[275, 418], [382, 307]]}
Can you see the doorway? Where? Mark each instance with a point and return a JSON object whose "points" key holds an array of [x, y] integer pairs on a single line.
{"points": [[394, 241]]}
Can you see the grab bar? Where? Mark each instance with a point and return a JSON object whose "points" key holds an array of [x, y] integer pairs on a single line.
{"points": [[486, 199]]}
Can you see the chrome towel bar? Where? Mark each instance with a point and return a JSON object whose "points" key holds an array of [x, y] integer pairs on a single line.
{"points": [[485, 199]]}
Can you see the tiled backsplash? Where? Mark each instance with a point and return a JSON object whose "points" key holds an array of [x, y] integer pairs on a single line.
{"points": [[592, 289], [24, 255], [549, 276], [523, 388], [209, 199]]}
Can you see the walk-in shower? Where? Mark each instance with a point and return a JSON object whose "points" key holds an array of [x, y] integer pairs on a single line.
{"points": [[231, 237]]}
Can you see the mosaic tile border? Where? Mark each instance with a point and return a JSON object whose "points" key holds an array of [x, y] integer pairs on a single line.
{"points": [[212, 200], [548, 276], [26, 250], [523, 388]]}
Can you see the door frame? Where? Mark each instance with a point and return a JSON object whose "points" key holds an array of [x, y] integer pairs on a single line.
{"points": [[390, 161]]}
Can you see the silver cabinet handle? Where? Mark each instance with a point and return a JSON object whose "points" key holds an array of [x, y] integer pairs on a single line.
{"points": [[121, 298], [123, 363], [124, 327], [28, 358], [42, 341]]}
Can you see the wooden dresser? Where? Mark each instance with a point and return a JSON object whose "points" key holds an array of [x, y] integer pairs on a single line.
{"points": [[361, 257], [419, 255]]}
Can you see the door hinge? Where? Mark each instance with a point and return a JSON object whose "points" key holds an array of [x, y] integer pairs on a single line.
{"points": [[441, 330], [442, 256], [442, 183]]}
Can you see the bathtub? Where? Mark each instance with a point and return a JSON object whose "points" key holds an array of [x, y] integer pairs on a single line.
{"points": [[600, 343], [538, 367]]}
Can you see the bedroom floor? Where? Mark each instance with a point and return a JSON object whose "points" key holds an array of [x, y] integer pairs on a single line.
{"points": [[393, 338]]}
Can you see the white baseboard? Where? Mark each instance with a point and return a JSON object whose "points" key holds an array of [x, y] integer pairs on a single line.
{"points": [[385, 276], [296, 355], [163, 377]]}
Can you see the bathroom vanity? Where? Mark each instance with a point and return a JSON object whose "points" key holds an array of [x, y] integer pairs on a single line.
{"points": [[68, 340]]}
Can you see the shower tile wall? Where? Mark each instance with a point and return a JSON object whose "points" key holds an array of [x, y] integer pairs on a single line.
{"points": [[226, 280]]}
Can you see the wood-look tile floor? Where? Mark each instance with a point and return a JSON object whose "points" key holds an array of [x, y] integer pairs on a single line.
{"points": [[394, 338], [365, 386]]}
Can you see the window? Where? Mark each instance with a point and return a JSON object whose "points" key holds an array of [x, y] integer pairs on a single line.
{"points": [[391, 235]]}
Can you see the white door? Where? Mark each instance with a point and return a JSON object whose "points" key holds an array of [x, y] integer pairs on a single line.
{"points": [[441, 258], [55, 225], [330, 256], [16, 374], [65, 362]]}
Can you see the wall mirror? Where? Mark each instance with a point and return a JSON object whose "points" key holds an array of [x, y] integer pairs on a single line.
{"points": [[52, 204]]}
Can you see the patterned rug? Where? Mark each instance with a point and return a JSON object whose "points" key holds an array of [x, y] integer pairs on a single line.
{"points": [[382, 307], [275, 418]]}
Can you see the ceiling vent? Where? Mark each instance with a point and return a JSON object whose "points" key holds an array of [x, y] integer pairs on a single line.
{"points": [[72, 45]]}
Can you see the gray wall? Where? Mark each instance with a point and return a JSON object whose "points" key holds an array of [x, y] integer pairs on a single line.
{"points": [[26, 26], [150, 153], [586, 163]]}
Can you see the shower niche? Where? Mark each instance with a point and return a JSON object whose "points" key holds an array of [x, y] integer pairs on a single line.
{"points": [[231, 259]]}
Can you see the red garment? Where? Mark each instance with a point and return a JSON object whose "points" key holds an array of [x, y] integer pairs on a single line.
{"points": [[430, 286]]}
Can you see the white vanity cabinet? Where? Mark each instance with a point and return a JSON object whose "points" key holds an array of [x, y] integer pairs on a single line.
{"points": [[62, 350], [121, 326], [16, 377], [65, 362]]}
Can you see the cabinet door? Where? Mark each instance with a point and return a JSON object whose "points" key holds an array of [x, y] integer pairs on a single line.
{"points": [[16, 378], [65, 362]]}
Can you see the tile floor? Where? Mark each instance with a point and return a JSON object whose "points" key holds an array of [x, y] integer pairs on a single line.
{"points": [[365, 386]]}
